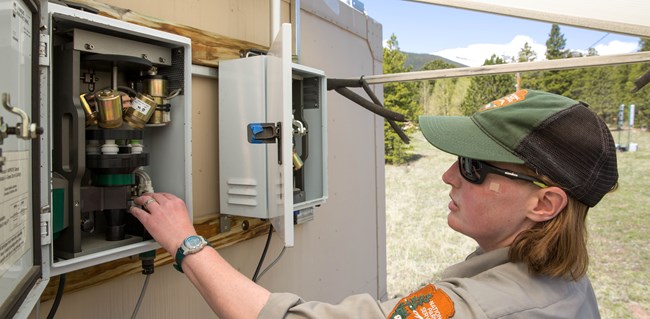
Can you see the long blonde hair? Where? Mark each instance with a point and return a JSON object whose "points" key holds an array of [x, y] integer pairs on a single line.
{"points": [[556, 247]]}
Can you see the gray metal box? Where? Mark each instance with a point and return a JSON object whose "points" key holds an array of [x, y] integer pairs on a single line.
{"points": [[272, 137]]}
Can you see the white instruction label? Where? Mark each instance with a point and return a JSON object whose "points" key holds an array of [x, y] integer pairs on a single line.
{"points": [[14, 208], [21, 28], [141, 106]]}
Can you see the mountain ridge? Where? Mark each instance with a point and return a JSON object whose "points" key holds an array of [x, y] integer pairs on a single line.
{"points": [[418, 60]]}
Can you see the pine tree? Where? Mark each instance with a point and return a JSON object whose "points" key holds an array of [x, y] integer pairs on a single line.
{"points": [[644, 44], [558, 82], [484, 89], [555, 44], [592, 52], [526, 54], [604, 88], [598, 86], [641, 98], [437, 96], [400, 97]]}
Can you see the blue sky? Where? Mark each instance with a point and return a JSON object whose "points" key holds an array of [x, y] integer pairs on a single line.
{"points": [[470, 37]]}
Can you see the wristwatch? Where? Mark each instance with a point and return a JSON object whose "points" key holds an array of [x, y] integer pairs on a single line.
{"points": [[191, 245]]}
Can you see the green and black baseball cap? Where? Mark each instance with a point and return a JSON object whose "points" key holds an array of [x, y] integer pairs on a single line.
{"points": [[552, 134]]}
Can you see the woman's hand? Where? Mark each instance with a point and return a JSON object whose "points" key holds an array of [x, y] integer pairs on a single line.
{"points": [[165, 217]]}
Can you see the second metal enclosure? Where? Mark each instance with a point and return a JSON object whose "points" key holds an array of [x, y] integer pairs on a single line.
{"points": [[272, 138]]}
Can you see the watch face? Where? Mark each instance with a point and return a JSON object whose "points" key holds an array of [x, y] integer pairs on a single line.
{"points": [[192, 242]]}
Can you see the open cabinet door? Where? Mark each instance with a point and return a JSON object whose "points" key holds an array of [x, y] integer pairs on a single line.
{"points": [[20, 262], [280, 176]]}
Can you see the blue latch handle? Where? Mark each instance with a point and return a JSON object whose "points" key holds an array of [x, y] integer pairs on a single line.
{"points": [[255, 128]]}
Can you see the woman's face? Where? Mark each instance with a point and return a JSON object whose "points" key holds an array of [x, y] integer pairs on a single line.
{"points": [[493, 212]]}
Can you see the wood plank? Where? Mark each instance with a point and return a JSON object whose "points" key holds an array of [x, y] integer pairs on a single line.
{"points": [[626, 17], [560, 64], [91, 276], [208, 48]]}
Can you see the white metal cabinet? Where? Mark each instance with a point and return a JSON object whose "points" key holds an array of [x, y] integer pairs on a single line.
{"points": [[72, 214], [272, 137], [19, 252]]}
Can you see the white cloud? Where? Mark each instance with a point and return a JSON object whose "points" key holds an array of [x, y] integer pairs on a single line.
{"points": [[476, 54], [616, 47]]}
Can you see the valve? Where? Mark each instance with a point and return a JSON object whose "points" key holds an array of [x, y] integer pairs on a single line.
{"points": [[24, 129]]}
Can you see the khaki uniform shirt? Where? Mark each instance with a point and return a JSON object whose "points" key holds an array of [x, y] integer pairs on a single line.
{"points": [[483, 286]]}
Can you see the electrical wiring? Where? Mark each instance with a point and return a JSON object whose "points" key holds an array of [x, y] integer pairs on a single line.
{"points": [[144, 289], [147, 258], [57, 299], [266, 248], [272, 263]]}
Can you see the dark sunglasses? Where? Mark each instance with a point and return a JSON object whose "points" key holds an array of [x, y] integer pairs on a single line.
{"points": [[474, 171]]}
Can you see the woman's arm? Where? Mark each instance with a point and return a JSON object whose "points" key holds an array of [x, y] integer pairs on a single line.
{"points": [[229, 293]]}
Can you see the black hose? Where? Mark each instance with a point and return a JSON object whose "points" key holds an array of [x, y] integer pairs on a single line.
{"points": [[641, 82], [392, 123], [333, 84], [341, 86], [128, 90], [266, 248], [386, 113], [57, 299]]}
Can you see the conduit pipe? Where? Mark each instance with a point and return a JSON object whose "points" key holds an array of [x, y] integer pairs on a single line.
{"points": [[296, 28], [275, 19]]}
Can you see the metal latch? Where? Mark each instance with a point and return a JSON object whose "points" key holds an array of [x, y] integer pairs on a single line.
{"points": [[265, 133], [46, 216], [44, 48], [259, 133]]}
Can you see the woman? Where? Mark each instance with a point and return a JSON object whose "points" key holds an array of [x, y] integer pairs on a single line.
{"points": [[529, 167]]}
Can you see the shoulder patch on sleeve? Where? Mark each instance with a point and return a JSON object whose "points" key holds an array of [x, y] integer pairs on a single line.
{"points": [[426, 303]]}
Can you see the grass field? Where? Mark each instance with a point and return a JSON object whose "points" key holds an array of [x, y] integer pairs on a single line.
{"points": [[420, 244]]}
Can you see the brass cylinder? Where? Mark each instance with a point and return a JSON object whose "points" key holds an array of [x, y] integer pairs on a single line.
{"points": [[155, 85], [158, 117], [109, 106], [142, 107], [297, 161]]}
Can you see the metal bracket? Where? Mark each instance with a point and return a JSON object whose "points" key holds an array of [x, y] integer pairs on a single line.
{"points": [[225, 223], [44, 49]]}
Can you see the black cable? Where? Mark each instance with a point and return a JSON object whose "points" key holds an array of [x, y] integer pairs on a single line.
{"points": [[57, 299], [641, 82], [147, 259], [266, 248], [383, 112], [601, 39], [341, 86], [272, 263], [392, 123], [142, 292]]}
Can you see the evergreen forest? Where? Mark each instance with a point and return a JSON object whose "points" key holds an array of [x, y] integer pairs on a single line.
{"points": [[604, 88]]}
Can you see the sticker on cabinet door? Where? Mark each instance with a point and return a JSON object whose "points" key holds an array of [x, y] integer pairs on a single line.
{"points": [[14, 207]]}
